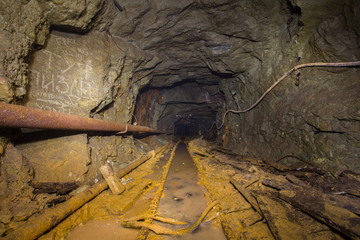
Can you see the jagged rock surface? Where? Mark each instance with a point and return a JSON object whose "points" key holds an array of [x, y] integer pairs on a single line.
{"points": [[244, 47]]}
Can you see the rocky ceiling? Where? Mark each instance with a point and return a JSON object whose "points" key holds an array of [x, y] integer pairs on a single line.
{"points": [[206, 42]]}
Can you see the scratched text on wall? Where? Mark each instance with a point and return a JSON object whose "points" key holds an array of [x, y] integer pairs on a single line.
{"points": [[66, 75]]}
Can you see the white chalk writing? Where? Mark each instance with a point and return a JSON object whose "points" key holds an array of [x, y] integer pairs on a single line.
{"points": [[67, 77], [53, 83], [65, 41]]}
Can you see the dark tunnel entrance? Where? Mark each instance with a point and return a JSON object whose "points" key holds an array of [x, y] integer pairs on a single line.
{"points": [[186, 130], [186, 109], [196, 126]]}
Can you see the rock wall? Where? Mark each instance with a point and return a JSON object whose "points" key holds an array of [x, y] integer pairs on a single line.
{"points": [[25, 25], [63, 159], [16, 173], [84, 72], [93, 74], [82, 75], [246, 46], [318, 121]]}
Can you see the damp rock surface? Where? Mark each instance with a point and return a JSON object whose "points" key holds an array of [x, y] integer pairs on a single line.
{"points": [[241, 46], [64, 159], [244, 47]]}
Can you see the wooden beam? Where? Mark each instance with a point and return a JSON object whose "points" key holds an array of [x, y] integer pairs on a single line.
{"points": [[313, 203]]}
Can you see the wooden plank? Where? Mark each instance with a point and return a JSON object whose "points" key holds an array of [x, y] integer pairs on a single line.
{"points": [[247, 195], [54, 187], [338, 199], [312, 202], [277, 218]]}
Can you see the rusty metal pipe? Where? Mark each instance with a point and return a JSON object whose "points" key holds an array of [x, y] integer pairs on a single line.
{"points": [[15, 116]]}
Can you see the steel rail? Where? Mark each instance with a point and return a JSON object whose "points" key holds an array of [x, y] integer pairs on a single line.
{"points": [[15, 116]]}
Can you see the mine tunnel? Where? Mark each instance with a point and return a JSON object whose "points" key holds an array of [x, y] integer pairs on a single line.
{"points": [[189, 119]]}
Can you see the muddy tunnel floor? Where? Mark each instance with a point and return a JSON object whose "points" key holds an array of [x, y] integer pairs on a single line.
{"points": [[182, 199], [197, 190]]}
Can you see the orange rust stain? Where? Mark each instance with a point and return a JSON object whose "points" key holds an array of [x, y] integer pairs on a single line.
{"points": [[225, 136], [145, 106]]}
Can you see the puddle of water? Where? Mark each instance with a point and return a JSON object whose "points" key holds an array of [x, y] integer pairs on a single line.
{"points": [[184, 199], [109, 229]]}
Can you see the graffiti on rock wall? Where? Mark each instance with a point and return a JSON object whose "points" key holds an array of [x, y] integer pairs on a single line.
{"points": [[67, 74]]}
